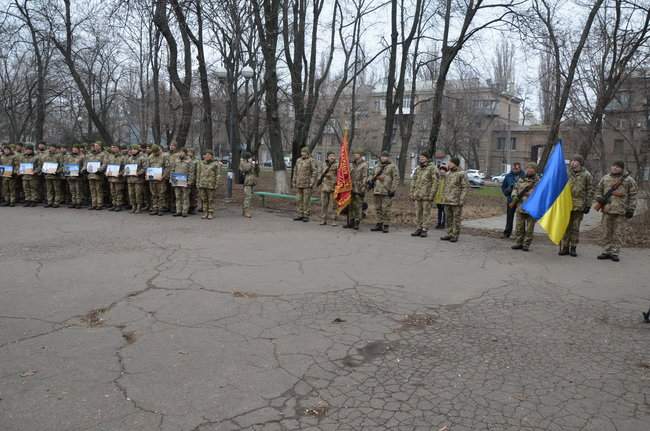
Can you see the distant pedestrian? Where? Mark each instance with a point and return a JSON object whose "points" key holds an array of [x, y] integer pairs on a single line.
{"points": [[507, 187]]}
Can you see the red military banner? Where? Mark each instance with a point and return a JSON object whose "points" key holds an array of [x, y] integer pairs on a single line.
{"points": [[343, 190]]}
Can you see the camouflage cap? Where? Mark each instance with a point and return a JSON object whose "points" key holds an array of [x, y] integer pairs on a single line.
{"points": [[155, 148], [578, 158], [619, 163], [135, 147], [531, 165]]}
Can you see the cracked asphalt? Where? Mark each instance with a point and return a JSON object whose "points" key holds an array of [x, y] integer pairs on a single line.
{"points": [[121, 322]]}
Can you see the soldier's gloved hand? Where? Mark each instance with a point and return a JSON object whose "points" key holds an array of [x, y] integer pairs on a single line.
{"points": [[629, 214], [586, 210]]}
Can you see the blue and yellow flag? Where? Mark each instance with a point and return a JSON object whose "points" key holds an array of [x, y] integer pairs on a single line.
{"points": [[551, 202]]}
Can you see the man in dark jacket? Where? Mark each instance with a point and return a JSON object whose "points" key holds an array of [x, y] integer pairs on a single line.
{"points": [[506, 187]]}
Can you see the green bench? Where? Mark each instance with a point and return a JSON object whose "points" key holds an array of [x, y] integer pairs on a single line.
{"points": [[265, 195]]}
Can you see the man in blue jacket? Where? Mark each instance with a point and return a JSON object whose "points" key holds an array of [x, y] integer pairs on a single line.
{"points": [[506, 187]]}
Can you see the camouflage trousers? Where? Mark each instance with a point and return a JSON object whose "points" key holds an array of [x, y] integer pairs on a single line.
{"points": [[422, 214], [74, 185], [158, 196], [54, 191], [9, 190], [572, 234], [30, 187], [383, 205], [182, 199], [454, 214], [248, 197], [208, 198], [96, 187], [524, 228], [117, 193], [328, 206], [613, 224], [136, 194], [356, 206], [303, 202]]}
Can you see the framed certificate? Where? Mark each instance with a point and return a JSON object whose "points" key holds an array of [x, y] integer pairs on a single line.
{"points": [[154, 174], [50, 168], [93, 167], [178, 179], [6, 170], [71, 170], [26, 169], [131, 169], [113, 170]]}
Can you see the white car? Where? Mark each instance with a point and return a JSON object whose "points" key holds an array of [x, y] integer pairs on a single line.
{"points": [[475, 173], [499, 178]]}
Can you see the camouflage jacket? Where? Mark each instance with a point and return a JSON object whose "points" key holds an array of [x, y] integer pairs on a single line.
{"points": [[48, 157], [424, 183], [250, 172], [386, 179], [96, 157], [159, 161], [456, 186], [186, 167], [10, 160], [141, 161], [359, 176], [73, 159], [116, 159], [328, 175], [522, 190], [207, 174], [581, 188], [32, 158], [305, 174], [623, 199], [440, 189]]}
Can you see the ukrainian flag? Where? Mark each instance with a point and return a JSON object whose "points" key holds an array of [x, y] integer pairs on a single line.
{"points": [[551, 202]]}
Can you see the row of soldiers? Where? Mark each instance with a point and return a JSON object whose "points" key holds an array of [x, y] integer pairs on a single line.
{"points": [[615, 195], [145, 178], [447, 185]]}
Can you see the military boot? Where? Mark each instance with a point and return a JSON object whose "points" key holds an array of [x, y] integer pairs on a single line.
{"points": [[357, 222], [604, 256], [118, 208], [210, 216], [385, 228], [417, 232], [298, 218], [573, 252], [517, 247], [379, 227], [424, 233], [247, 213], [563, 251]]}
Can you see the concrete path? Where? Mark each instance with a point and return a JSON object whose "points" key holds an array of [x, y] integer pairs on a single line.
{"points": [[117, 322]]}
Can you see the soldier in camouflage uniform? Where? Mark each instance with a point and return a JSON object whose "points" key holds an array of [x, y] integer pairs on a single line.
{"points": [[456, 186], [194, 193], [18, 153], [359, 178], [304, 179], [157, 159], [525, 226], [30, 180], [41, 153], [582, 193], [384, 184], [135, 180], [174, 155], [616, 195], [249, 168], [327, 183], [422, 192], [74, 183], [207, 181], [185, 166], [53, 183], [9, 178], [116, 183], [96, 179]]}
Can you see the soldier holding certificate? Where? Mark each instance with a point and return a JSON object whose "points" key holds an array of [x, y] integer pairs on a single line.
{"points": [[157, 175], [52, 169], [182, 175], [95, 167], [114, 167], [9, 168], [134, 168], [28, 169], [207, 180], [73, 163]]}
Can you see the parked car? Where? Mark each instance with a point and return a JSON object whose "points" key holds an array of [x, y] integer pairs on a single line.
{"points": [[476, 172], [474, 179], [499, 178], [268, 164]]}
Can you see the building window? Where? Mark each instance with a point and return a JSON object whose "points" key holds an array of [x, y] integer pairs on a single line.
{"points": [[501, 143], [618, 146], [513, 143]]}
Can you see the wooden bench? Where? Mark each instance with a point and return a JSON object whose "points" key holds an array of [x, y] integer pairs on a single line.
{"points": [[265, 195]]}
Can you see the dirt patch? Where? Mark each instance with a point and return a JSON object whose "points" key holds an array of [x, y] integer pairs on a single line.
{"points": [[319, 410], [635, 232], [417, 321], [93, 318], [129, 337]]}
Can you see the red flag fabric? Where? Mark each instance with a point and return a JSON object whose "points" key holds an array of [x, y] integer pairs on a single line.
{"points": [[343, 190]]}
